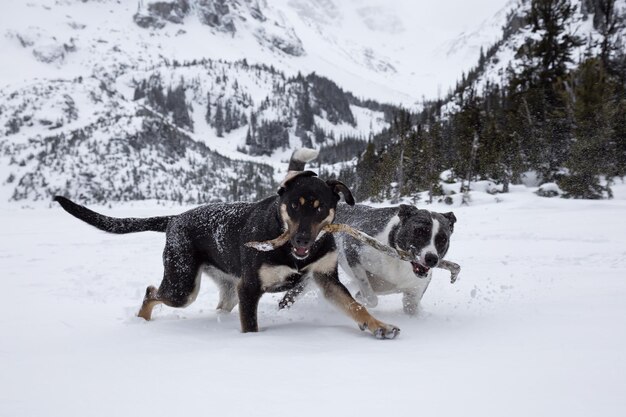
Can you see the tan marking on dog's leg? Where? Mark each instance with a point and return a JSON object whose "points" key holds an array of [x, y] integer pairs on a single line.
{"points": [[149, 302], [342, 299]]}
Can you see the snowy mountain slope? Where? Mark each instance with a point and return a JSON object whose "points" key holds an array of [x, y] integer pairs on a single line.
{"points": [[76, 138], [533, 327], [146, 133], [467, 45], [254, 95], [504, 60], [396, 44], [374, 48], [84, 68]]}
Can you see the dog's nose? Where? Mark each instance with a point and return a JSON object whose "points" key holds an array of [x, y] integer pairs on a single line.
{"points": [[302, 240], [431, 259]]}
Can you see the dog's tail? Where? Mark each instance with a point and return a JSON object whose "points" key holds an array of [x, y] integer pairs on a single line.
{"points": [[300, 157], [113, 224]]}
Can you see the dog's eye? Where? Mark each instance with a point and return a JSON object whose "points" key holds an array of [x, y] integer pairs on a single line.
{"points": [[295, 205]]}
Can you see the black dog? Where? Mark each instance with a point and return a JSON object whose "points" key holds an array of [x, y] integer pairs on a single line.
{"points": [[212, 238]]}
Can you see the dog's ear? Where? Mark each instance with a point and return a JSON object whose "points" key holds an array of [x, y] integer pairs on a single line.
{"points": [[451, 219], [340, 187], [292, 175], [406, 211]]}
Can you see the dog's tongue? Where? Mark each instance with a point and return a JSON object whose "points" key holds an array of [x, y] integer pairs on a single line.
{"points": [[419, 269], [301, 251]]}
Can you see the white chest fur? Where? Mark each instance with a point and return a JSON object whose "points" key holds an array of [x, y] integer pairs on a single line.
{"points": [[275, 275]]}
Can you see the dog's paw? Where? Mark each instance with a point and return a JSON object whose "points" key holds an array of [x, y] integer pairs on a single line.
{"points": [[285, 303], [381, 330], [369, 301], [387, 331]]}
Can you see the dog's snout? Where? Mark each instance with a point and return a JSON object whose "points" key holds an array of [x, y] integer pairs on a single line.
{"points": [[431, 260], [302, 240]]}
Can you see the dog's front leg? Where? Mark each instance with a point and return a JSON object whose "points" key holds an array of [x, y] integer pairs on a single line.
{"points": [[250, 293], [339, 295], [410, 302], [290, 296], [366, 293]]}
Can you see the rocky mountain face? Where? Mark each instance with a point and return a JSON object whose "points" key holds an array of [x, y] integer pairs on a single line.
{"points": [[224, 16]]}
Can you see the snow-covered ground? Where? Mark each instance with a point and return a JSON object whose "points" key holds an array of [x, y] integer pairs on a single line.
{"points": [[535, 327]]}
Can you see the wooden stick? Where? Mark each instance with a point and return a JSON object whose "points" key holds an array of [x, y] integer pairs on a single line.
{"points": [[269, 245], [403, 255], [368, 240]]}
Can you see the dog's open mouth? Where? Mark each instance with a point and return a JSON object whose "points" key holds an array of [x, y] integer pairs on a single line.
{"points": [[300, 252], [419, 269]]}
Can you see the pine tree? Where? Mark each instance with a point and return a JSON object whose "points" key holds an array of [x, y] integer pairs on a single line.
{"points": [[218, 120], [207, 115], [305, 112], [154, 96], [618, 139], [543, 84], [176, 105], [228, 117], [429, 156], [249, 140], [319, 135], [550, 18], [609, 22], [514, 158], [467, 123], [140, 90], [368, 184], [592, 114]]}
